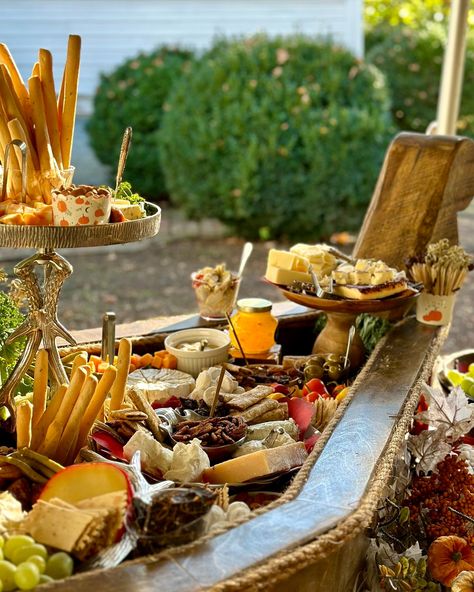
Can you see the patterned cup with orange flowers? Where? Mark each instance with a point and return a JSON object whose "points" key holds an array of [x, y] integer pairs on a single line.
{"points": [[81, 205]]}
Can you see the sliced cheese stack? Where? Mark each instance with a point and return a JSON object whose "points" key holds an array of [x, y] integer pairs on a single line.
{"points": [[368, 280], [284, 268], [322, 261], [257, 464]]}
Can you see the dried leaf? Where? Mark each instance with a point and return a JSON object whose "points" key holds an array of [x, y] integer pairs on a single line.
{"points": [[429, 448], [451, 412]]}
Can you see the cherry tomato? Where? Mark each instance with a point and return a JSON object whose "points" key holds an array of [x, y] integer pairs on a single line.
{"points": [[304, 391], [311, 397], [316, 385], [337, 389]]}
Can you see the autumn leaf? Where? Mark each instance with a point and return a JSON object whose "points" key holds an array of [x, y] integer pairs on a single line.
{"points": [[451, 412], [429, 448]]}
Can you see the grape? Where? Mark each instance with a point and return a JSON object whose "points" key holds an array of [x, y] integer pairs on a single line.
{"points": [[27, 576], [467, 384], [59, 565], [16, 541], [23, 553], [471, 370], [455, 377], [44, 579], [2, 541], [39, 561], [7, 575]]}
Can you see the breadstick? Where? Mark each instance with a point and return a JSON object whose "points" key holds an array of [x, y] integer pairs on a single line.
{"points": [[35, 71], [67, 108], [39, 431], [53, 435], [18, 84], [10, 101], [41, 129], [79, 361], [49, 98], [14, 181], [94, 407], [23, 424], [71, 430], [123, 365], [40, 385]]}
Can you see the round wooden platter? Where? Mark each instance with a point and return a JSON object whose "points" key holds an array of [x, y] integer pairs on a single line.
{"points": [[351, 306], [64, 237]]}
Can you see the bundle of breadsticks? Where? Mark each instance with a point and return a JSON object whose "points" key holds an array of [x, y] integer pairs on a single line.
{"points": [[442, 269], [32, 113], [59, 429]]}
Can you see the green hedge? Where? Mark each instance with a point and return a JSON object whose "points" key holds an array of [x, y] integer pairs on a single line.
{"points": [[134, 94], [411, 61], [276, 137]]}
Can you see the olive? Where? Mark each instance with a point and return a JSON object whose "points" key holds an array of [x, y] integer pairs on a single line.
{"points": [[313, 371], [318, 359], [333, 358], [334, 371]]}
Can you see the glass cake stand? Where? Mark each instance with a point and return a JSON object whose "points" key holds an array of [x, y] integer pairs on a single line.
{"points": [[41, 326]]}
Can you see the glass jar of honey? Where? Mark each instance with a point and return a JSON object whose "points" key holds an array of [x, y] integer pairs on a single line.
{"points": [[254, 324]]}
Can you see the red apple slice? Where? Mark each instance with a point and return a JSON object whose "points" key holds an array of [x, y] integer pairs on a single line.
{"points": [[83, 481]]}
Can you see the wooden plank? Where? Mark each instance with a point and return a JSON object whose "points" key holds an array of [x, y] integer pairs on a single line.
{"points": [[424, 182]]}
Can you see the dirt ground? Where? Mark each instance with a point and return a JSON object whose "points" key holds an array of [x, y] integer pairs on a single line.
{"points": [[152, 278]]}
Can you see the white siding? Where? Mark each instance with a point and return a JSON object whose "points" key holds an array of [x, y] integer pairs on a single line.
{"points": [[113, 30]]}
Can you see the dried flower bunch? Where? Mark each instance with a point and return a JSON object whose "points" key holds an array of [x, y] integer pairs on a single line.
{"points": [[442, 269]]}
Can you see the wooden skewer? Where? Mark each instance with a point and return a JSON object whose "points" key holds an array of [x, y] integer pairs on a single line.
{"points": [[216, 394], [229, 320]]}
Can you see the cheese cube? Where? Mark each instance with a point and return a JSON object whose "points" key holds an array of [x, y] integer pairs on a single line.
{"points": [[257, 464]]}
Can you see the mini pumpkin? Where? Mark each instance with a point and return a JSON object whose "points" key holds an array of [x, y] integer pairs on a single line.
{"points": [[464, 582], [448, 556]]}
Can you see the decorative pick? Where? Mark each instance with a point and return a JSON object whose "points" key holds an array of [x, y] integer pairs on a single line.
{"points": [[216, 394]]}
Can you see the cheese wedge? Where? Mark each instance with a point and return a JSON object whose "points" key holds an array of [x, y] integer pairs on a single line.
{"points": [[371, 292], [285, 277], [130, 211], [257, 464]]}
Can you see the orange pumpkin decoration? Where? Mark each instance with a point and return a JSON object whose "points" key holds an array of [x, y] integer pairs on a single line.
{"points": [[448, 556]]}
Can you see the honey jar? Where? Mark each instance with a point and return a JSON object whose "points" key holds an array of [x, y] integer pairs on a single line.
{"points": [[255, 325]]}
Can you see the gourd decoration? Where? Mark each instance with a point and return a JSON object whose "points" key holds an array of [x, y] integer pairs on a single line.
{"points": [[464, 582], [448, 556]]}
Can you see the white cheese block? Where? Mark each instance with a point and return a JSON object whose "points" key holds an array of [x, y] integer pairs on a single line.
{"points": [[161, 384], [285, 277], [131, 211]]}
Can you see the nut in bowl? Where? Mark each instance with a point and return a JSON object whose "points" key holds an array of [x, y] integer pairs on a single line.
{"points": [[197, 349], [81, 205]]}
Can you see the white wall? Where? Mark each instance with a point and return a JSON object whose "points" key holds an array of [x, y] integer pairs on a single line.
{"points": [[113, 30]]}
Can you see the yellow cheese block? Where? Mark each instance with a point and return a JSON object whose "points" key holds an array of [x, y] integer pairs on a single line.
{"points": [[257, 464], [285, 277], [287, 260]]}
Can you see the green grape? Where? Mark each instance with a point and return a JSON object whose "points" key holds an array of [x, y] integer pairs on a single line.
{"points": [[421, 567], [23, 553], [27, 576], [7, 575], [455, 377], [39, 561], [404, 515], [2, 541], [16, 541], [44, 579], [59, 565], [405, 565], [471, 370], [467, 383]]}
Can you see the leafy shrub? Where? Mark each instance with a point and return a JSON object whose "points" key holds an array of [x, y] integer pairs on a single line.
{"points": [[276, 137], [134, 94], [411, 61]]}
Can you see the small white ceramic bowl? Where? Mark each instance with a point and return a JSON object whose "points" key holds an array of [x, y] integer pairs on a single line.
{"points": [[193, 362]]}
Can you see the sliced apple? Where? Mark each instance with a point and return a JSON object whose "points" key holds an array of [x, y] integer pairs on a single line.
{"points": [[79, 482]]}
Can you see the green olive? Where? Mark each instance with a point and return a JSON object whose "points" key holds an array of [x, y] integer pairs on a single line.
{"points": [[313, 371], [333, 358], [334, 371], [318, 359]]}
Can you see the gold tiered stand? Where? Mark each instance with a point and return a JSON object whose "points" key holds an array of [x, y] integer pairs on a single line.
{"points": [[41, 326]]}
